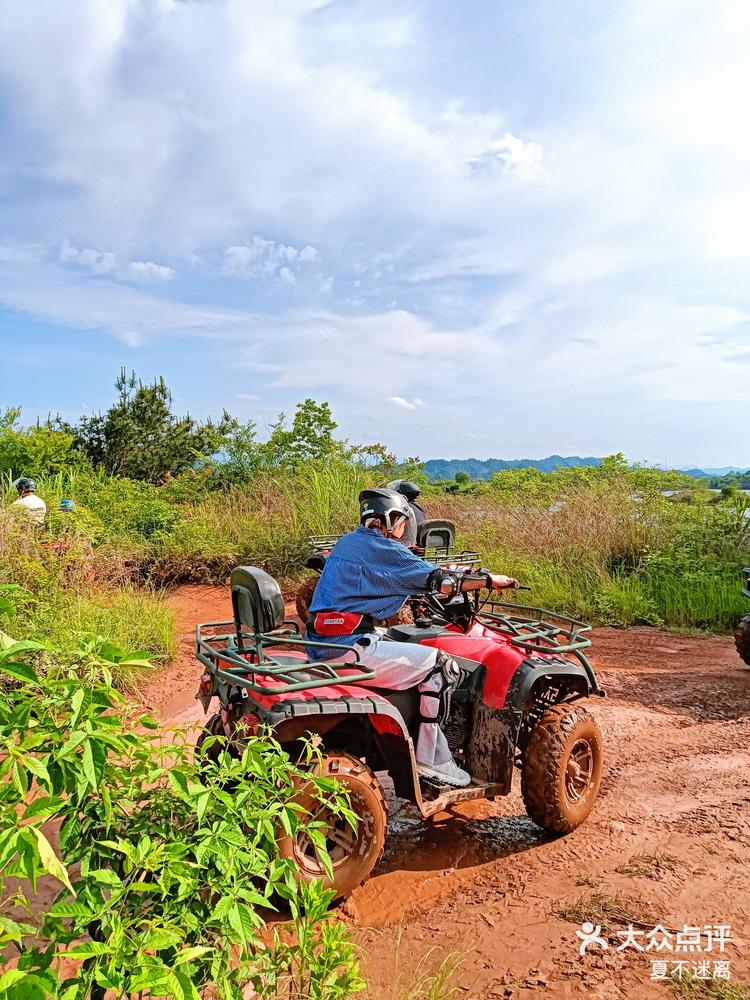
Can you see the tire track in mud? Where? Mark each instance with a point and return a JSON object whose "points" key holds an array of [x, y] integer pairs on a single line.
{"points": [[485, 882]]}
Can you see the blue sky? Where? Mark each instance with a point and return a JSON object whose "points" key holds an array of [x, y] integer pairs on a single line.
{"points": [[493, 229]]}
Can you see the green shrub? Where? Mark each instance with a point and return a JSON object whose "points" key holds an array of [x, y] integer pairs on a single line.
{"points": [[164, 875], [35, 451]]}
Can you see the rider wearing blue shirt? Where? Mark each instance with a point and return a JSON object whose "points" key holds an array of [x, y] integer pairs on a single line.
{"points": [[371, 574], [368, 577]]}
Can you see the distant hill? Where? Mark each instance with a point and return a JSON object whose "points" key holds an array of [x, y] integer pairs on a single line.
{"points": [[477, 468], [725, 470]]}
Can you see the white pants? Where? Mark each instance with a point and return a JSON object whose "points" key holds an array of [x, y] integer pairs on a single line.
{"points": [[402, 665]]}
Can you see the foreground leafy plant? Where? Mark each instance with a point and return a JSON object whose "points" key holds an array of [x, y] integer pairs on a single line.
{"points": [[167, 864]]}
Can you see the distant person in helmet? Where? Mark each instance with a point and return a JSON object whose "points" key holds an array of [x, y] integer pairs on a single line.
{"points": [[368, 577], [34, 506], [417, 514]]}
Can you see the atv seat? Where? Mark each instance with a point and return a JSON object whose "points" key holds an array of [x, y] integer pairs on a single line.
{"points": [[436, 534], [257, 601]]}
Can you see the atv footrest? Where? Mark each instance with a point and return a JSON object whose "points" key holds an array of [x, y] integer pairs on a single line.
{"points": [[436, 797]]}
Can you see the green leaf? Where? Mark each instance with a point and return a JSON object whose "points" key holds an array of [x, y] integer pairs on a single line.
{"points": [[50, 862], [72, 744], [37, 767], [104, 876], [11, 977], [43, 807], [241, 921], [182, 988], [21, 671], [22, 646], [94, 757], [67, 908], [79, 702], [189, 954], [89, 949], [20, 780], [11, 930]]}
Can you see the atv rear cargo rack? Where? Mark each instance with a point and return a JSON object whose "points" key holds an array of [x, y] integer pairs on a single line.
{"points": [[538, 630], [251, 659]]}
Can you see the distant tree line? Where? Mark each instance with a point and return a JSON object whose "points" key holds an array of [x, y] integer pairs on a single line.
{"points": [[141, 438]]}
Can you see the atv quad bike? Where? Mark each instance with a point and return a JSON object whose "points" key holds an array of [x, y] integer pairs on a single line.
{"points": [[742, 632], [517, 706], [435, 541]]}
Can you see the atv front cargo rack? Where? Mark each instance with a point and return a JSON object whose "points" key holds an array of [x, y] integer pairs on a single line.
{"points": [[537, 630], [254, 660]]}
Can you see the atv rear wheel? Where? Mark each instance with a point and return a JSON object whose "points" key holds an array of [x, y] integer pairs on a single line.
{"points": [[562, 768], [214, 727], [742, 638], [353, 853]]}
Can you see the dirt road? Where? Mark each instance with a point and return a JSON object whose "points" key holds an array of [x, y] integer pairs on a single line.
{"points": [[668, 842]]}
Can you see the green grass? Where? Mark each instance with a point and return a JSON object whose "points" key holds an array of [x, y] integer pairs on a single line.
{"points": [[134, 619], [597, 552]]}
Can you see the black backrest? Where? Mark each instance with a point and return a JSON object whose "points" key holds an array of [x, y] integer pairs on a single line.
{"points": [[257, 601], [436, 534]]}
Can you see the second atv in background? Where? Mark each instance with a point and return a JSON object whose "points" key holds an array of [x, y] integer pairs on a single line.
{"points": [[742, 632]]}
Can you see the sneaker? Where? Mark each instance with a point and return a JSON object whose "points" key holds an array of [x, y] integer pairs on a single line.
{"points": [[448, 773]]}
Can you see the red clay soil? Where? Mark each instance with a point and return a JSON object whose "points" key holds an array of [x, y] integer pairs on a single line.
{"points": [[486, 883]]}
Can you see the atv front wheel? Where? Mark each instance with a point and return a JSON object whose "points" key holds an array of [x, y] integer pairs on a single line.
{"points": [[353, 853], [742, 638], [562, 768]]}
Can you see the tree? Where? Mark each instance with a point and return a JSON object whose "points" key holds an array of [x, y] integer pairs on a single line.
{"points": [[38, 450], [139, 436], [462, 478], [310, 438]]}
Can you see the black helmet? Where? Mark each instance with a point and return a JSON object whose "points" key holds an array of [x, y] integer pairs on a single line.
{"points": [[386, 505], [406, 488], [25, 485]]}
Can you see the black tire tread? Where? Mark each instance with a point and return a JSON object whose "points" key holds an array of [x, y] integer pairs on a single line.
{"points": [[541, 764], [742, 638], [368, 777]]}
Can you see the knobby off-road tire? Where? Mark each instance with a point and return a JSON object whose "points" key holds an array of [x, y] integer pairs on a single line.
{"points": [[742, 638], [213, 727], [562, 768], [354, 853]]}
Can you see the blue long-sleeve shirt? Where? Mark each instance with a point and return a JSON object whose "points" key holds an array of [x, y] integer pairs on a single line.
{"points": [[367, 574]]}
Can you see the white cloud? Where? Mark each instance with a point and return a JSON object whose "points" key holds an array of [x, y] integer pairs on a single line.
{"points": [[407, 404], [263, 258], [97, 261], [139, 270], [512, 156]]}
